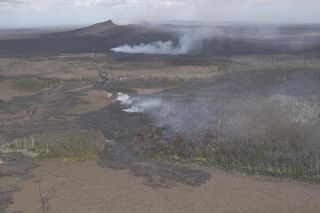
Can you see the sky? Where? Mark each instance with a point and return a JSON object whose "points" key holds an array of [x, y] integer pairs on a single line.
{"points": [[48, 13]]}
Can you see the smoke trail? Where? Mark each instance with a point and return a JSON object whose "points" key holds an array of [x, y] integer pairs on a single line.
{"points": [[189, 41], [194, 117], [146, 105], [158, 47], [243, 117], [142, 105]]}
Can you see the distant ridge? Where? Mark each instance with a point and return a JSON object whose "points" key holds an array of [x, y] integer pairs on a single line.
{"points": [[105, 24], [102, 37], [97, 38], [98, 28]]}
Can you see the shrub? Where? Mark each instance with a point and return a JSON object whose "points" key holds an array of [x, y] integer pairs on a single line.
{"points": [[76, 145], [34, 84], [4, 106], [276, 136]]}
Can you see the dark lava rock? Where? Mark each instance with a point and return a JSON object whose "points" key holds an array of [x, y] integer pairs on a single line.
{"points": [[6, 197], [17, 164], [160, 174]]}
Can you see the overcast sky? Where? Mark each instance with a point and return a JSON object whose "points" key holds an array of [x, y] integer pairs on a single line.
{"points": [[34, 13]]}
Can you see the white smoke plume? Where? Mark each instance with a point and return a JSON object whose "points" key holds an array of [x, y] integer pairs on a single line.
{"points": [[124, 99], [147, 105], [189, 41], [195, 116], [142, 105], [158, 47]]}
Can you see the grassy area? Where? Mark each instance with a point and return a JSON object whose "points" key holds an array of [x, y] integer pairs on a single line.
{"points": [[285, 147], [34, 84], [272, 159], [4, 106], [6, 62], [75, 145], [80, 64], [81, 79], [133, 65]]}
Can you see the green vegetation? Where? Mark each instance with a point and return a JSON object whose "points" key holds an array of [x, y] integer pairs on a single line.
{"points": [[80, 64], [34, 84], [1, 77], [264, 159], [81, 79], [7, 62], [75, 146], [287, 155], [4, 106], [114, 65], [254, 159]]}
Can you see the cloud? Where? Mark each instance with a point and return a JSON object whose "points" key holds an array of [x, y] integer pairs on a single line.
{"points": [[85, 11]]}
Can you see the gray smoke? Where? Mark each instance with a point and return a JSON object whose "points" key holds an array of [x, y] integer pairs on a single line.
{"points": [[243, 118], [215, 108], [212, 39], [192, 118]]}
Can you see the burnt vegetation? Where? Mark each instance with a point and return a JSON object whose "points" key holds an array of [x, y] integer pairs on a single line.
{"points": [[284, 154], [261, 123]]}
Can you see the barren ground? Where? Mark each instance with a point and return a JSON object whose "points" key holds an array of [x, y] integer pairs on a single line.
{"points": [[85, 187]]}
